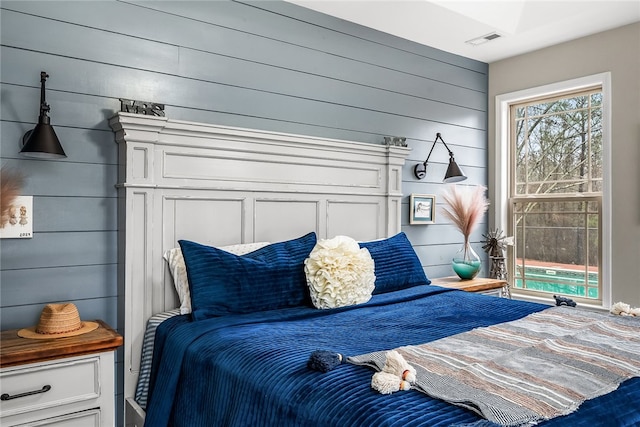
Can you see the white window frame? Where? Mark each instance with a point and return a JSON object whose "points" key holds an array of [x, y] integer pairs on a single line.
{"points": [[500, 202]]}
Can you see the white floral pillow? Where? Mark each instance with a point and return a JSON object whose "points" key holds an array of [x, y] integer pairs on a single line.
{"points": [[179, 270], [339, 273]]}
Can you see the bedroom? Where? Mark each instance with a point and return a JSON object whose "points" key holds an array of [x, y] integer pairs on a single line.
{"points": [[277, 67]]}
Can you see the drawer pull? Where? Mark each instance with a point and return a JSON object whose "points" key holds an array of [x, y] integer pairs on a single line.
{"points": [[7, 396]]}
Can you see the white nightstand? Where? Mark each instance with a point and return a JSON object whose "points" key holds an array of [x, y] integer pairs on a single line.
{"points": [[58, 382]]}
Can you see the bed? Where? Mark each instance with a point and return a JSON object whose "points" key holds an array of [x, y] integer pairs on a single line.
{"points": [[201, 187]]}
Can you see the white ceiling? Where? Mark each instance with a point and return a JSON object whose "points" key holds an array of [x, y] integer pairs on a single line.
{"points": [[525, 25]]}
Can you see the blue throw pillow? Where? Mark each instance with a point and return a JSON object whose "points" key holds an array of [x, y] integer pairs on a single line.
{"points": [[397, 265], [266, 279]]}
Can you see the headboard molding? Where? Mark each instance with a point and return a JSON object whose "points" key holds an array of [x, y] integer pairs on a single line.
{"points": [[221, 185]]}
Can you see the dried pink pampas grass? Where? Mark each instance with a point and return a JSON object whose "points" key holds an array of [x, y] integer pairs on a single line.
{"points": [[465, 207], [10, 187]]}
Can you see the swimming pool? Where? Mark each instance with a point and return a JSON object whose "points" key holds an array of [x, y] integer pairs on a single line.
{"points": [[558, 280]]}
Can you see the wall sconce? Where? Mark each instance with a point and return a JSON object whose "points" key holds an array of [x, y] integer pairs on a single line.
{"points": [[454, 174], [41, 142]]}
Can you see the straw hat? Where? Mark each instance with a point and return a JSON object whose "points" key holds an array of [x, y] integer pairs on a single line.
{"points": [[58, 321]]}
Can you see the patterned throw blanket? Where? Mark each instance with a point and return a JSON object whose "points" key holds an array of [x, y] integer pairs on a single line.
{"points": [[528, 370]]}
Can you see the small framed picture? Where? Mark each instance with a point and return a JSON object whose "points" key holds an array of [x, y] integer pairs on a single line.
{"points": [[422, 209], [19, 219]]}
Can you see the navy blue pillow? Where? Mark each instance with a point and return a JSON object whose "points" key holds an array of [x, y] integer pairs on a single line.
{"points": [[269, 278], [396, 264]]}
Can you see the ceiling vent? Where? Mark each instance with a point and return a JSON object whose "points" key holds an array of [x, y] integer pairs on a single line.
{"points": [[483, 39]]}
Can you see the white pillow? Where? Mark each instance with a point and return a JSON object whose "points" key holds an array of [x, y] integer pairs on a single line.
{"points": [[339, 273], [179, 270]]}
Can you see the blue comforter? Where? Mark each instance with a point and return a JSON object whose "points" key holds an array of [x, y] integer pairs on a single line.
{"points": [[250, 369]]}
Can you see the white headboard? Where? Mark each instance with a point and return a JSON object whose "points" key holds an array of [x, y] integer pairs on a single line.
{"points": [[221, 186]]}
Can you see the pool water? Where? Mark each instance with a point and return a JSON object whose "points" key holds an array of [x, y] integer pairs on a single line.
{"points": [[559, 281]]}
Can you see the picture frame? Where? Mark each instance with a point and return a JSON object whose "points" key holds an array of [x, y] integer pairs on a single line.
{"points": [[20, 222], [422, 209]]}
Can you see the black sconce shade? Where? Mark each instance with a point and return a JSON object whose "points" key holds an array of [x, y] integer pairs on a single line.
{"points": [[42, 142], [454, 173]]}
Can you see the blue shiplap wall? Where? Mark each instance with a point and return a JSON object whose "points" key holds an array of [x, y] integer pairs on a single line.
{"points": [[265, 65]]}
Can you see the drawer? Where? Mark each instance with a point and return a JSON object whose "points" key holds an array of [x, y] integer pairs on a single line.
{"points": [[79, 419], [493, 292], [55, 384]]}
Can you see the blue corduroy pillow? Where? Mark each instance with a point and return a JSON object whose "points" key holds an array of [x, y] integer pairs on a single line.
{"points": [[396, 264], [269, 278]]}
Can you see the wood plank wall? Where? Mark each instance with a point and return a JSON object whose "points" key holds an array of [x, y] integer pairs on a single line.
{"points": [[266, 65]]}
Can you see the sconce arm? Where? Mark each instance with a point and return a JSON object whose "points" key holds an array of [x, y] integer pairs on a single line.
{"points": [[438, 137], [44, 107]]}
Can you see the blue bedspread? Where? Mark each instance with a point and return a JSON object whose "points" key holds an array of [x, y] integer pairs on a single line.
{"points": [[250, 369]]}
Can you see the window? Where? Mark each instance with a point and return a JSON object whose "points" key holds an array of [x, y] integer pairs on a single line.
{"points": [[554, 191]]}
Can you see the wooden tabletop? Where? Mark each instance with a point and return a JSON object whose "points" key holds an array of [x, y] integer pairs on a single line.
{"points": [[478, 284], [15, 350]]}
